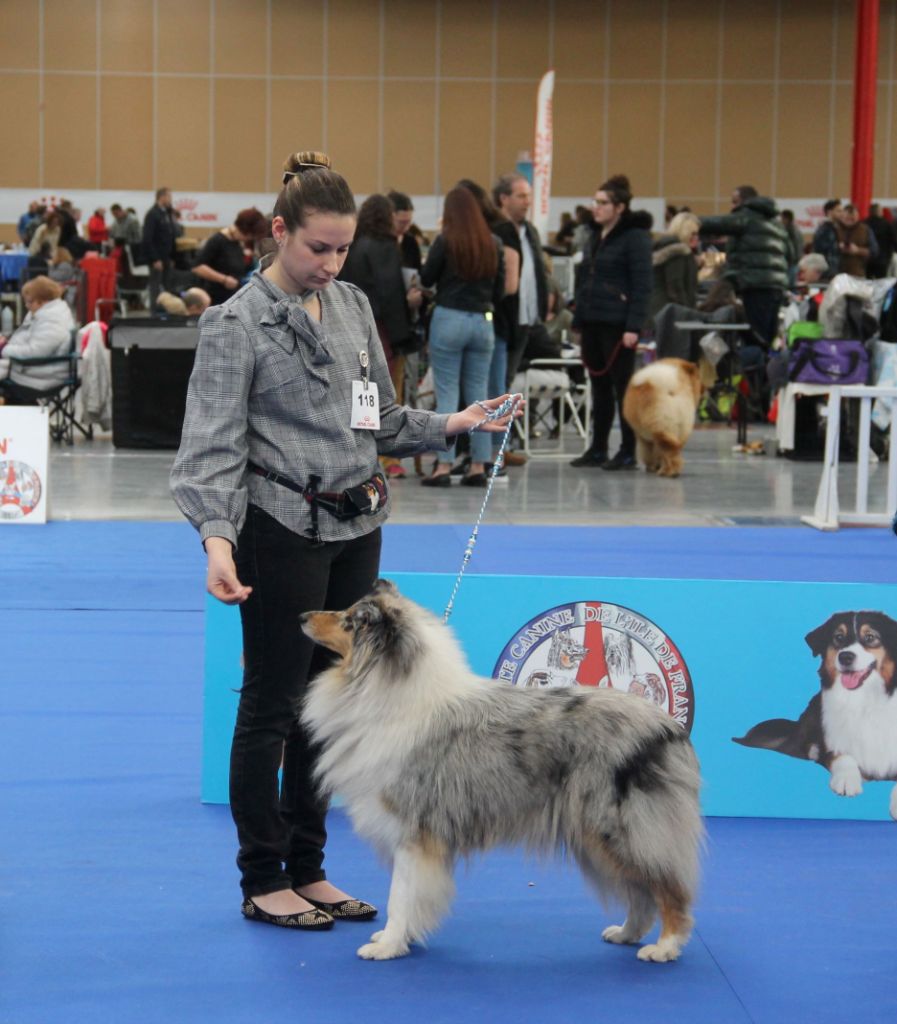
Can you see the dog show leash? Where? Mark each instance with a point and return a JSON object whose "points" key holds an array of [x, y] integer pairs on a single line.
{"points": [[508, 406]]}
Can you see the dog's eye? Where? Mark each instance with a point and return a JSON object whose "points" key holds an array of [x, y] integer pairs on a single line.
{"points": [[870, 639], [839, 640]]}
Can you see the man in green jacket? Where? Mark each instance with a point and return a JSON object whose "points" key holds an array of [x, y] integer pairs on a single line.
{"points": [[757, 257]]}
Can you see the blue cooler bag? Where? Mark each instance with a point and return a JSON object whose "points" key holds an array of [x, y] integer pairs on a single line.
{"points": [[828, 361]]}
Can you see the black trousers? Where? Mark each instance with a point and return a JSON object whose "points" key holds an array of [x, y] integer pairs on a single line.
{"points": [[599, 341], [281, 831], [761, 310]]}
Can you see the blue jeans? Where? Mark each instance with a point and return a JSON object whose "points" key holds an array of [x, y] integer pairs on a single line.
{"points": [[460, 353]]}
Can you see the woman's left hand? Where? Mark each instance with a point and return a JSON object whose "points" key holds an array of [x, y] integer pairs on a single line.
{"points": [[474, 415], [630, 339]]}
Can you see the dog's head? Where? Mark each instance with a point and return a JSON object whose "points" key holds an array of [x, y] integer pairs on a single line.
{"points": [[376, 628], [856, 647]]}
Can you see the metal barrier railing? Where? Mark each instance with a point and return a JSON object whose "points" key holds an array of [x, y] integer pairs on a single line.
{"points": [[827, 514]]}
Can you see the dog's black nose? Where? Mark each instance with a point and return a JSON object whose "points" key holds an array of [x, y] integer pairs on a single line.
{"points": [[303, 618], [846, 658]]}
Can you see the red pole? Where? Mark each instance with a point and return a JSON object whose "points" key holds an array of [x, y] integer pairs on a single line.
{"points": [[865, 79]]}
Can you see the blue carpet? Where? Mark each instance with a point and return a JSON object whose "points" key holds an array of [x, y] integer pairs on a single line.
{"points": [[120, 892]]}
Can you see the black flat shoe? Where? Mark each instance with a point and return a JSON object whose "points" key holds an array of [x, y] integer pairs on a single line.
{"points": [[590, 460], [443, 480], [346, 910], [620, 461], [474, 480], [317, 920]]}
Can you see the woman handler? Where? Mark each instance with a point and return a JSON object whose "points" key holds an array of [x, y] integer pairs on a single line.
{"points": [[289, 405]]}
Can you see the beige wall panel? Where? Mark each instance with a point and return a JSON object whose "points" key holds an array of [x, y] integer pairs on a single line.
{"points": [[126, 35], [635, 41], [749, 39], [353, 37], [802, 144], [746, 137], [70, 114], [409, 38], [515, 123], [70, 28], [184, 29], [522, 39], [845, 38], [297, 37], [806, 41], [689, 145], [579, 31], [693, 39], [19, 34], [409, 137], [880, 183], [182, 144], [634, 135], [126, 133], [353, 137], [466, 39], [577, 163], [240, 148], [297, 122], [842, 150], [21, 162], [465, 127], [702, 207], [241, 37]]}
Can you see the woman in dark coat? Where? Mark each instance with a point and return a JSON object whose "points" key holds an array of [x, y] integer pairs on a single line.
{"points": [[675, 265], [613, 293]]}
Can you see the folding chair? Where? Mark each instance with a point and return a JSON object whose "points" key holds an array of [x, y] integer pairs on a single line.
{"points": [[548, 387], [134, 282], [60, 399]]}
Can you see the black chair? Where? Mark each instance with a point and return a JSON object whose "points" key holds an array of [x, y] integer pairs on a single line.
{"points": [[60, 399]]}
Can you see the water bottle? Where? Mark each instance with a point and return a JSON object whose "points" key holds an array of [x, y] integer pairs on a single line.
{"points": [[6, 322]]}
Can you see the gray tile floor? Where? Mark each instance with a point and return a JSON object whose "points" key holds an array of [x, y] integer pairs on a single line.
{"points": [[95, 480]]}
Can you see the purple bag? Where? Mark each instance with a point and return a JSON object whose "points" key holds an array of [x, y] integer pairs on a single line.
{"points": [[828, 361]]}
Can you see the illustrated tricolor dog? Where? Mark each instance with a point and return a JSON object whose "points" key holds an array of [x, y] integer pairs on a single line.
{"points": [[435, 763], [850, 726]]}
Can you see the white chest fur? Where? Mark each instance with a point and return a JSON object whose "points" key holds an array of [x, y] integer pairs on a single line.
{"points": [[863, 723]]}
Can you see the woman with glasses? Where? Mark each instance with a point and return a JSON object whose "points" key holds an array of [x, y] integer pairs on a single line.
{"points": [[613, 293]]}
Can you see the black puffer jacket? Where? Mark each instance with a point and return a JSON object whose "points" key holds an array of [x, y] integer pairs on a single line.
{"points": [[613, 284], [760, 250]]}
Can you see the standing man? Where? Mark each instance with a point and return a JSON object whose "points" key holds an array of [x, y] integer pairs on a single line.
{"points": [[528, 308], [757, 259], [825, 237], [158, 243], [125, 228]]}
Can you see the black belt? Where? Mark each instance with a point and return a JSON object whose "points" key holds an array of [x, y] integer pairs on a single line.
{"points": [[362, 500]]}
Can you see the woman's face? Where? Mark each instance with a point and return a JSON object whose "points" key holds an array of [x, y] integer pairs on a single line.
{"points": [[604, 209], [313, 254], [32, 304]]}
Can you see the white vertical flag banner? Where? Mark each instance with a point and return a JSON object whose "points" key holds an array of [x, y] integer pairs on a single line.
{"points": [[542, 154], [24, 460]]}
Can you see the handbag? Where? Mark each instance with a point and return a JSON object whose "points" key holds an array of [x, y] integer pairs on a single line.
{"points": [[828, 361]]}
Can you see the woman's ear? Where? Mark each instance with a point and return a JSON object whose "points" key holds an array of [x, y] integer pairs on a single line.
{"points": [[279, 230]]}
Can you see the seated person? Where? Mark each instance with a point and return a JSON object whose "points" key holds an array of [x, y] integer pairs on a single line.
{"points": [[228, 255], [46, 331], [192, 302]]}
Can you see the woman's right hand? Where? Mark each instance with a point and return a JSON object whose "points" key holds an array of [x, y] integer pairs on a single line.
{"points": [[221, 580]]}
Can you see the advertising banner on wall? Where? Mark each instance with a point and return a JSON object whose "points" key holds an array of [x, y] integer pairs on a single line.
{"points": [[24, 462], [787, 690], [542, 151]]}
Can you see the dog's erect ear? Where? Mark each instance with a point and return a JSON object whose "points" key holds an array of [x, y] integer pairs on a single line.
{"points": [[385, 587], [819, 638]]}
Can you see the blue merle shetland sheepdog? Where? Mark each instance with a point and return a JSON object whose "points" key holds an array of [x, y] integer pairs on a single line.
{"points": [[435, 763]]}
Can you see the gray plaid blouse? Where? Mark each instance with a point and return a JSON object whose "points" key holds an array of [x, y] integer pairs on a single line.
{"points": [[273, 386]]}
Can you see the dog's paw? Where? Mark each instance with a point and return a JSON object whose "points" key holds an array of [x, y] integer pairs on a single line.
{"points": [[616, 933], [382, 950], [846, 779], [377, 936], [659, 952]]}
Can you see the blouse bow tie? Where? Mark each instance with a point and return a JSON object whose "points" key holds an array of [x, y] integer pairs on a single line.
{"points": [[306, 329]]}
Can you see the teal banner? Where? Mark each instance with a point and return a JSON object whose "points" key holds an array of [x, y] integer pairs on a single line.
{"points": [[802, 674]]}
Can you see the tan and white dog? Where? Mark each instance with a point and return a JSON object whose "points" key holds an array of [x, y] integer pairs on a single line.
{"points": [[660, 405]]}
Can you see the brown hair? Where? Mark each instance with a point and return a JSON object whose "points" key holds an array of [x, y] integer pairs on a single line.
{"points": [[42, 289], [618, 190], [310, 186], [468, 241], [487, 206], [252, 222], [375, 218]]}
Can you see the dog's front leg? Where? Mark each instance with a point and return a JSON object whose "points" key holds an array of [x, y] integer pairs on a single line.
{"points": [[846, 779], [421, 891]]}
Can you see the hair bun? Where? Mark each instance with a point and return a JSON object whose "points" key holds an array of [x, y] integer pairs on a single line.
{"points": [[619, 181], [305, 160]]}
